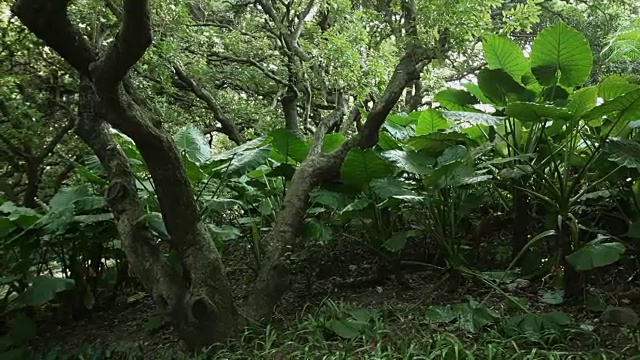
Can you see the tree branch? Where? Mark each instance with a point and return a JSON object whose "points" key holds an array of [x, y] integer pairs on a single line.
{"points": [[253, 63], [131, 43], [48, 20], [227, 126]]}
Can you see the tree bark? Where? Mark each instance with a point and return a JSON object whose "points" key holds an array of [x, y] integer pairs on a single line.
{"points": [[195, 295]]}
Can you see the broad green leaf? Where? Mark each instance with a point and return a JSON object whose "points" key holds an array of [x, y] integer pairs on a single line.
{"points": [[410, 161], [624, 153], [502, 53], [451, 174], [501, 88], [246, 161], [224, 232], [155, 222], [583, 100], [357, 205], [44, 289], [345, 328], [431, 121], [555, 297], [473, 118], [23, 217], [191, 141], [475, 91], [440, 314], [596, 254], [154, 323], [619, 111], [249, 145], [329, 198], [361, 166], [453, 154], [194, 171], [532, 112], [332, 142], [23, 329], [436, 142], [289, 145], [388, 187], [614, 86], [397, 241], [221, 205], [387, 142], [93, 218], [67, 196], [561, 53], [318, 231], [454, 99]]}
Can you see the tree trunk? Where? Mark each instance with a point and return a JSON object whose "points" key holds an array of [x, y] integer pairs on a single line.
{"points": [[194, 296], [194, 292]]}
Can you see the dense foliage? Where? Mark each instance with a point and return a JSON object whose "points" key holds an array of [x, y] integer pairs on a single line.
{"points": [[293, 119]]}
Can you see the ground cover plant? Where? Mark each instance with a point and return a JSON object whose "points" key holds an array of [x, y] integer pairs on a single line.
{"points": [[444, 182]]}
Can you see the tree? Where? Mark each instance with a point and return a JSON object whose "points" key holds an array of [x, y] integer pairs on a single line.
{"points": [[195, 295]]}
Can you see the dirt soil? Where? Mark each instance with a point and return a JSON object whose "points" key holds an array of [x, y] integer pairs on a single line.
{"points": [[342, 271]]}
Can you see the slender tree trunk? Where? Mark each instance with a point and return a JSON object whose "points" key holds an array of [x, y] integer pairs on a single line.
{"points": [[33, 184]]}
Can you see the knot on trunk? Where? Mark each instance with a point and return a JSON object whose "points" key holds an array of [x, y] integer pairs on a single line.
{"points": [[201, 309]]}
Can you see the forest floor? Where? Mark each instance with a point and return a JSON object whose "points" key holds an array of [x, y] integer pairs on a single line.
{"points": [[333, 282]]}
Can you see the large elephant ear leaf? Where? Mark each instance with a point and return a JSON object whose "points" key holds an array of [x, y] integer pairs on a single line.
{"points": [[361, 166], [561, 54], [596, 254], [289, 145], [192, 142], [502, 53]]}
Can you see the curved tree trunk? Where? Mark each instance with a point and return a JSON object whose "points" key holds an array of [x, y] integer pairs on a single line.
{"points": [[194, 294]]}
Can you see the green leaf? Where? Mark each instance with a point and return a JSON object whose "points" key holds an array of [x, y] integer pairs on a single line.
{"points": [[614, 86], [396, 242], [473, 118], [440, 314], [455, 99], [361, 166], [155, 222], [23, 330], [561, 53], [316, 230], [410, 161], [620, 110], [329, 198], [224, 232], [67, 196], [388, 187], [501, 88], [289, 145], [431, 121], [436, 142], [502, 53], [555, 297], [583, 100], [44, 289], [532, 112], [357, 205], [154, 323], [191, 141], [345, 328], [221, 205], [332, 142], [596, 254], [247, 161], [624, 153]]}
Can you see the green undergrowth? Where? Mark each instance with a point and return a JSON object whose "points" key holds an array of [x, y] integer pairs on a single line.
{"points": [[466, 330]]}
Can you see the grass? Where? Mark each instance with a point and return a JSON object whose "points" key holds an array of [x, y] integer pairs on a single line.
{"points": [[387, 332]]}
